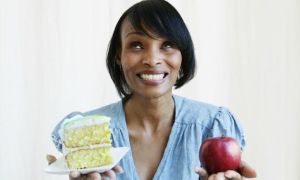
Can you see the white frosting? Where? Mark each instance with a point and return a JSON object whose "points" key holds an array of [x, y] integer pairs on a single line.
{"points": [[86, 121], [68, 150], [80, 121]]}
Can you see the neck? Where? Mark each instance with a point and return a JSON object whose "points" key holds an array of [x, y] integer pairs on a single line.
{"points": [[150, 114]]}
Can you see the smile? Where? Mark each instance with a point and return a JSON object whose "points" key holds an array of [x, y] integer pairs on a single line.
{"points": [[152, 77]]}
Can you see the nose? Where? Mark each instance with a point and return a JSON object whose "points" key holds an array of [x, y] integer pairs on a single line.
{"points": [[152, 57]]}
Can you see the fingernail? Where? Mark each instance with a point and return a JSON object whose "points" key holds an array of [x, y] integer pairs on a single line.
{"points": [[120, 171], [74, 174], [197, 169], [93, 178], [228, 175]]}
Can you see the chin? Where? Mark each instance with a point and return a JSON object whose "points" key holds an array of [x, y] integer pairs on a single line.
{"points": [[155, 94]]}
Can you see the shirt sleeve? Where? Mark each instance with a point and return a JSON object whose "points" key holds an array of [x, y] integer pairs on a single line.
{"points": [[55, 133], [225, 124]]}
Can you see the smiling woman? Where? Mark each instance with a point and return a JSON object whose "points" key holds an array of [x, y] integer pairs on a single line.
{"points": [[150, 21], [150, 52]]}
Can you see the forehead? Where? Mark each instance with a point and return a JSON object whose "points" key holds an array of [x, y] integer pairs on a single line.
{"points": [[127, 28]]}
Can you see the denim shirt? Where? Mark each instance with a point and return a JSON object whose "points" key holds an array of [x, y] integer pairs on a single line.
{"points": [[194, 122]]}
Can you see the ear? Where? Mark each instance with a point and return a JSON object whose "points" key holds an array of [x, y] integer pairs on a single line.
{"points": [[118, 58]]}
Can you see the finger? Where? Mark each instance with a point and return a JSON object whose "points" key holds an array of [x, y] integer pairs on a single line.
{"points": [[246, 170], [233, 175], [93, 176], [50, 158], [111, 174], [118, 169], [212, 177], [202, 173], [220, 176], [74, 175]]}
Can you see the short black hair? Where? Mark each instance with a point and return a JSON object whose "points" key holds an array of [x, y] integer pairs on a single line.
{"points": [[158, 18]]}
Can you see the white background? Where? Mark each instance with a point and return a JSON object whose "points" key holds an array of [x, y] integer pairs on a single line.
{"points": [[52, 62]]}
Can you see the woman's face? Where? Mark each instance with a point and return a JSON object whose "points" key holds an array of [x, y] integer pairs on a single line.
{"points": [[150, 66]]}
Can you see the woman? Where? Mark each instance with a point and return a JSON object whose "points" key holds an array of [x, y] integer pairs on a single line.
{"points": [[151, 52]]}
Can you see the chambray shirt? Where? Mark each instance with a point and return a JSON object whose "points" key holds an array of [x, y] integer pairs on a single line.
{"points": [[194, 122]]}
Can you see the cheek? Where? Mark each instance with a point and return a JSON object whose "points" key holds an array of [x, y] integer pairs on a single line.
{"points": [[175, 62], [128, 60]]}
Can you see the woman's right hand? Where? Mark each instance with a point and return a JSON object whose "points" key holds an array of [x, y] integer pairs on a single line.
{"points": [[244, 171], [75, 175]]}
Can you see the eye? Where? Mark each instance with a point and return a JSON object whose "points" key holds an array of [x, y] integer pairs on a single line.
{"points": [[136, 45], [168, 45]]}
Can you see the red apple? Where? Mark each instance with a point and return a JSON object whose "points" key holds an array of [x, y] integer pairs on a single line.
{"points": [[220, 154]]}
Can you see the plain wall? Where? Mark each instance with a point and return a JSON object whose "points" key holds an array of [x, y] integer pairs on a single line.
{"points": [[52, 62]]}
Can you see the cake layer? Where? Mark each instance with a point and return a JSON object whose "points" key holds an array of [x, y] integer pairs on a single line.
{"points": [[87, 135], [89, 158]]}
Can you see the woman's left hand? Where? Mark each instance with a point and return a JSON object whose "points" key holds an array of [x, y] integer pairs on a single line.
{"points": [[245, 171], [75, 175]]}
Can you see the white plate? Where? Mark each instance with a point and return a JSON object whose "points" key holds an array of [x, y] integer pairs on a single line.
{"points": [[60, 167]]}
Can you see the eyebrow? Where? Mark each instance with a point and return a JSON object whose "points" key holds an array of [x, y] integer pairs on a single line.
{"points": [[135, 33]]}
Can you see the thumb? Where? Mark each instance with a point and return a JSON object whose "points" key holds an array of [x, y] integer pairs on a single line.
{"points": [[246, 170], [202, 172], [50, 158]]}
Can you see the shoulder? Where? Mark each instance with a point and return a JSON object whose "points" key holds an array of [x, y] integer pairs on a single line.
{"points": [[193, 111], [209, 116]]}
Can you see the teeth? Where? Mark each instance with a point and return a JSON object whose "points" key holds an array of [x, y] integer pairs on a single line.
{"points": [[152, 76]]}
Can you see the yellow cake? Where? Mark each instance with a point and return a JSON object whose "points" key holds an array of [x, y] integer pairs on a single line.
{"points": [[86, 141]]}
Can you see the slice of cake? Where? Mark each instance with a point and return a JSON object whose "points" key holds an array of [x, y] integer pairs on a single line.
{"points": [[86, 141]]}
